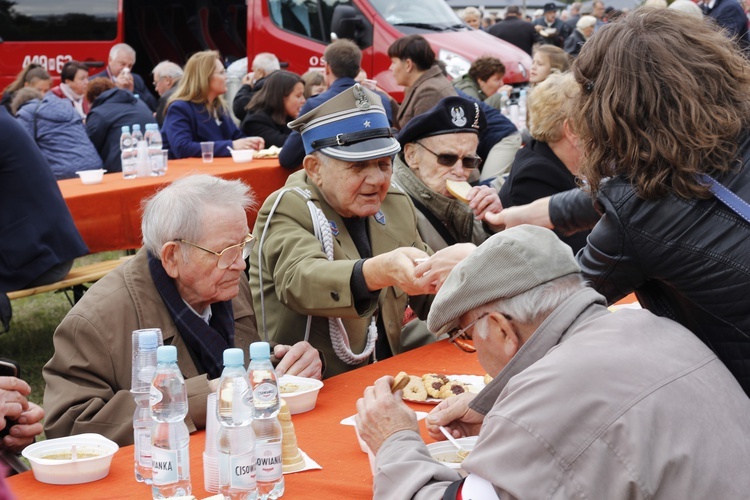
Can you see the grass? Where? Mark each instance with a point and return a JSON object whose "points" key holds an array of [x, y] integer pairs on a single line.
{"points": [[35, 318]]}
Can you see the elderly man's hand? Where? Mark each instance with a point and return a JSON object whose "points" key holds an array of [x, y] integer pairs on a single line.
{"points": [[433, 272], [483, 200], [455, 415], [301, 359], [15, 406], [395, 268], [381, 414], [535, 213], [125, 80]]}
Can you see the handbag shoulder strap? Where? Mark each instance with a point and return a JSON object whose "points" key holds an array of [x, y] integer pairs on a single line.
{"points": [[727, 197]]}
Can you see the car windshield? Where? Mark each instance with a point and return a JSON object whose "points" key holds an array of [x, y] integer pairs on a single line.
{"points": [[427, 14]]}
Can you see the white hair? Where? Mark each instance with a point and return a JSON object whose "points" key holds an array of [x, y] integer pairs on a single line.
{"points": [[168, 69], [535, 305], [177, 211], [687, 7], [660, 4], [267, 62], [471, 10], [587, 22], [118, 47]]}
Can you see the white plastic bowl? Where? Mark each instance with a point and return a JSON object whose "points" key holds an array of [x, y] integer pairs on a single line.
{"points": [[91, 176], [243, 155], [303, 397], [66, 471], [445, 453]]}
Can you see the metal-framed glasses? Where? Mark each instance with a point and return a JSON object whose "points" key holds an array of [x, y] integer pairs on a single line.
{"points": [[460, 337], [229, 255], [449, 160]]}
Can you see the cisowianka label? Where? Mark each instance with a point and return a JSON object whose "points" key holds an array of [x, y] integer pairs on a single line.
{"points": [[268, 461], [154, 396], [265, 392], [238, 471], [164, 465]]}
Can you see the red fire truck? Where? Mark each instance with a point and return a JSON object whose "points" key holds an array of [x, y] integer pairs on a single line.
{"points": [[297, 31]]}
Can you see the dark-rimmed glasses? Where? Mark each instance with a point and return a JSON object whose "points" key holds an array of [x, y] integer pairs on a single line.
{"points": [[229, 255], [449, 160]]}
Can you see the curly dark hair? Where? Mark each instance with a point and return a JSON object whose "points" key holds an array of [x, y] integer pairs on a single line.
{"points": [[486, 66], [663, 98]]}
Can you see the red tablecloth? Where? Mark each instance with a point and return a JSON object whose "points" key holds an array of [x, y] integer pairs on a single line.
{"points": [[346, 470], [108, 215]]}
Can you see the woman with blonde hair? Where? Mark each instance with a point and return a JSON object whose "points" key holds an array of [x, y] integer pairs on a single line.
{"points": [[547, 59], [548, 164], [34, 76], [197, 113]]}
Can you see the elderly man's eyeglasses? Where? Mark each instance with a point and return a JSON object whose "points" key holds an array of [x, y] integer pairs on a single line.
{"points": [[229, 255], [448, 160], [461, 338]]}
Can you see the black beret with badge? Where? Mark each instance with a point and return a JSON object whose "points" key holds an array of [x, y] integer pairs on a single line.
{"points": [[550, 7], [452, 115]]}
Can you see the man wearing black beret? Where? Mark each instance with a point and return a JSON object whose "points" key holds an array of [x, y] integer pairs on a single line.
{"points": [[552, 30], [440, 146]]}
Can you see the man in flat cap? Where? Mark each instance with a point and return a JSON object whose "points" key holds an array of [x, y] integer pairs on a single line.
{"points": [[585, 403], [438, 146], [337, 245], [552, 30]]}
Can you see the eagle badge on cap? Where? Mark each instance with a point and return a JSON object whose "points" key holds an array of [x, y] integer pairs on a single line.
{"points": [[360, 98], [458, 116]]}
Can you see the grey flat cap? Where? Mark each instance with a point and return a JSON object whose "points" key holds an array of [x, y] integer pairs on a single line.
{"points": [[507, 264]]}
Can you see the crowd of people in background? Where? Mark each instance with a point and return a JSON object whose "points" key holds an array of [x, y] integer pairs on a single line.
{"points": [[656, 160]]}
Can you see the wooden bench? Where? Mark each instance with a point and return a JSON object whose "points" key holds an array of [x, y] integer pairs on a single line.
{"points": [[74, 281]]}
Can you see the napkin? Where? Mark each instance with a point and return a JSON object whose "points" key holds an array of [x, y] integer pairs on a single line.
{"points": [[310, 464]]}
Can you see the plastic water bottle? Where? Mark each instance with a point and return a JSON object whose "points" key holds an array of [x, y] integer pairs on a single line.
{"points": [[234, 408], [144, 365], [504, 103], [266, 425], [170, 458], [522, 110], [155, 144], [137, 134], [127, 154]]}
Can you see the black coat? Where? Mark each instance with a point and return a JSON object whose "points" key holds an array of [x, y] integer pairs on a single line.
{"points": [[262, 125], [537, 173], [574, 43], [516, 31], [37, 231], [688, 260], [109, 112], [243, 97]]}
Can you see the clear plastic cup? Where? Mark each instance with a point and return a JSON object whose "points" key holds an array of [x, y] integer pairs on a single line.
{"points": [[210, 473], [212, 428], [207, 151]]}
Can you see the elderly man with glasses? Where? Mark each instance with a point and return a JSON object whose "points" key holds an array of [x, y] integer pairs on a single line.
{"points": [[439, 146], [189, 281], [584, 403]]}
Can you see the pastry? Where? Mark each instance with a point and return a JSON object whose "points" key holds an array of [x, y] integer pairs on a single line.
{"points": [[415, 390], [433, 382], [487, 379], [291, 458], [399, 382], [452, 389]]}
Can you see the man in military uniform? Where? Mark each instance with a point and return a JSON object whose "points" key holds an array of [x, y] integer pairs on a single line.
{"points": [[337, 245]]}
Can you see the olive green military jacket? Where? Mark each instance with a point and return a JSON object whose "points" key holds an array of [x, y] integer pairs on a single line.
{"points": [[299, 280]]}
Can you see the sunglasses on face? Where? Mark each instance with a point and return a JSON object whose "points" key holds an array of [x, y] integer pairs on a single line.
{"points": [[449, 160]]}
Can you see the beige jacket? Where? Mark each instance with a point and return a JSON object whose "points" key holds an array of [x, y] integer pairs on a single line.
{"points": [[298, 279], [596, 405], [426, 92], [88, 377]]}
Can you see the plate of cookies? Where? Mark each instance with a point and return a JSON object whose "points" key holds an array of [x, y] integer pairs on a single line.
{"points": [[432, 388]]}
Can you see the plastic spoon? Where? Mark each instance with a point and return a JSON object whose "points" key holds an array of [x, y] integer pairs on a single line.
{"points": [[461, 452]]}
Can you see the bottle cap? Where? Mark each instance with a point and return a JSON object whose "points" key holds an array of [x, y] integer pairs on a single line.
{"points": [[166, 354], [148, 339], [234, 357], [260, 350], [136, 127], [126, 129]]}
